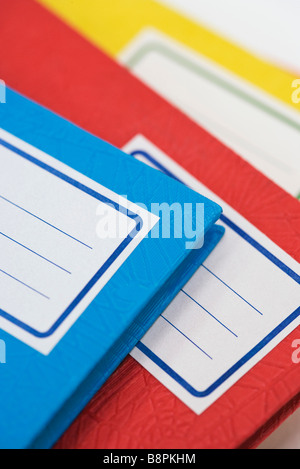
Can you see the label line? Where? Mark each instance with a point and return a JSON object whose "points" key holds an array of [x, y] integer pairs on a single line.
{"points": [[236, 293], [214, 317], [180, 332]]}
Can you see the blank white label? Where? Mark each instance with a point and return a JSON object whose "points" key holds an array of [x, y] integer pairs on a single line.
{"points": [[53, 261]]}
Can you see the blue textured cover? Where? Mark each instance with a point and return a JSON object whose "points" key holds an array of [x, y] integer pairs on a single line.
{"points": [[40, 395]]}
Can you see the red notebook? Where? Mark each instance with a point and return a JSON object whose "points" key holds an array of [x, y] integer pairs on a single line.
{"points": [[223, 359]]}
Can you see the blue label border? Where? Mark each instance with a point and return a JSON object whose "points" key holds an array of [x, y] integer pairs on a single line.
{"points": [[293, 275], [134, 216]]}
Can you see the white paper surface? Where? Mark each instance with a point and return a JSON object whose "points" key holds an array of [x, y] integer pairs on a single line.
{"points": [[268, 28], [237, 307], [259, 128], [52, 258]]}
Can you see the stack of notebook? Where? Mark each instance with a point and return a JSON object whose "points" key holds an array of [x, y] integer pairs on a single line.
{"points": [[177, 241]]}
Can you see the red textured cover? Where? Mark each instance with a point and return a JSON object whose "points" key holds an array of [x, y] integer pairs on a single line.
{"points": [[44, 59]]}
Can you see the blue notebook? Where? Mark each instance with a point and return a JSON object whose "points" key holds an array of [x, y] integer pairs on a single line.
{"points": [[93, 246]]}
